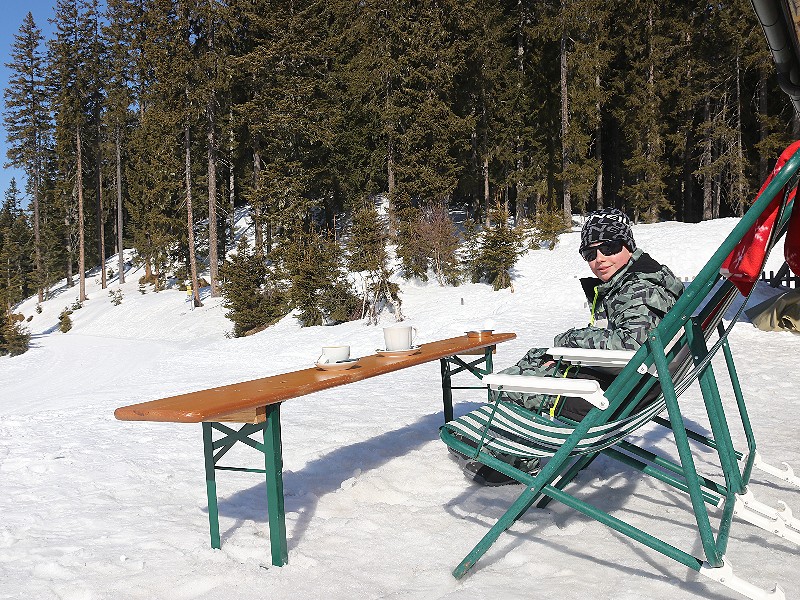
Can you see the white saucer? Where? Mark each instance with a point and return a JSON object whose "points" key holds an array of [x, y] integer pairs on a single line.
{"points": [[338, 366], [412, 350]]}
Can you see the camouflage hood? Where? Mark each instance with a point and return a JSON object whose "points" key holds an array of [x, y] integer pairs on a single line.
{"points": [[627, 306]]}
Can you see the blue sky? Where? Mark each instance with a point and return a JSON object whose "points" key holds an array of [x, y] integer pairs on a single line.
{"points": [[14, 12]]}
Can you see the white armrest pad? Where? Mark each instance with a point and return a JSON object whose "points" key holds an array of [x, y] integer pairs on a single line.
{"points": [[588, 389], [593, 357]]}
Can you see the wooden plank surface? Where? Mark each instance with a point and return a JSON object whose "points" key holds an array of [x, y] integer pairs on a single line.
{"points": [[214, 403]]}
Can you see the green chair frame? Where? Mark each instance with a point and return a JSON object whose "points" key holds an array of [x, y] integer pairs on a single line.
{"points": [[677, 354]]}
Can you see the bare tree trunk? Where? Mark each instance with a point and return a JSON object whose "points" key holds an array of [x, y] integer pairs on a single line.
{"points": [[740, 179], [120, 248], [37, 241], [521, 202], [213, 250], [392, 220], [598, 152], [255, 213], [486, 200], [721, 147], [81, 247], [213, 257], [763, 130], [687, 211], [653, 141], [101, 229], [232, 183], [190, 219], [707, 179], [68, 247], [565, 159], [390, 163]]}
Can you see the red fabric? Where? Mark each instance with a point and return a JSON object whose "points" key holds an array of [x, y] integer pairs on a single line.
{"points": [[743, 265], [791, 245]]}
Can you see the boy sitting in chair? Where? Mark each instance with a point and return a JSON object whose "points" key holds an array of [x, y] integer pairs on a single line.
{"points": [[628, 296]]}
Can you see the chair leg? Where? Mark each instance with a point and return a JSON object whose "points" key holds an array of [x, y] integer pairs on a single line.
{"points": [[562, 482], [511, 515]]}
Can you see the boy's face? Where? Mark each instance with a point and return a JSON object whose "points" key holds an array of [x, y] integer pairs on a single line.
{"points": [[604, 267]]}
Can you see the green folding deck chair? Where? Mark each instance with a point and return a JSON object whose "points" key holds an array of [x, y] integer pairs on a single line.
{"points": [[676, 355]]}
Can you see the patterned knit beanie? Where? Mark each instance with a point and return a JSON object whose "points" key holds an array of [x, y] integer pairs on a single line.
{"points": [[606, 225]]}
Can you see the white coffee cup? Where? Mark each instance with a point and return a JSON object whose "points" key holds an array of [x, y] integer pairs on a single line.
{"points": [[333, 354], [399, 337]]}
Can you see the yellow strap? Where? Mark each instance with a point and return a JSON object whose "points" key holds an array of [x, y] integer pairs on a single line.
{"points": [[555, 404], [594, 303]]}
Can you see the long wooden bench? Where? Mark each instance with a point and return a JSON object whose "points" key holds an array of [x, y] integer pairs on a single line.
{"points": [[256, 404]]}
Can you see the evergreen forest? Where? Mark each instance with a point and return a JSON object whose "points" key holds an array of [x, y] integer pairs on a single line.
{"points": [[351, 130]]}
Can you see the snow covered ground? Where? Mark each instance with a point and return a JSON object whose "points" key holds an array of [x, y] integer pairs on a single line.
{"points": [[97, 508]]}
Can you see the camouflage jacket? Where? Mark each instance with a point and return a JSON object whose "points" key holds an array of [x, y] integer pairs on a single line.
{"points": [[626, 307]]}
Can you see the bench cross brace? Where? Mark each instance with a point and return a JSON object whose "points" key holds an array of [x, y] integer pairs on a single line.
{"points": [[452, 365]]}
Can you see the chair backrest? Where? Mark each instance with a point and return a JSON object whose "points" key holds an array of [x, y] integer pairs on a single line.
{"points": [[701, 307]]}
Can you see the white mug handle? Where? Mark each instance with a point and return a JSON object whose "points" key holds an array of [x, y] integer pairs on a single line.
{"points": [[413, 335]]}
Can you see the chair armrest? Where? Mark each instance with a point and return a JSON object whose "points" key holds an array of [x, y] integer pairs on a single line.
{"points": [[592, 357], [588, 389]]}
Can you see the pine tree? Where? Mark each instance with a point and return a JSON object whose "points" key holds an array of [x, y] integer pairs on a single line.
{"points": [[318, 288], [70, 79], [95, 77], [587, 23], [648, 46], [282, 69], [155, 172], [214, 77], [28, 126], [16, 241], [118, 34], [367, 254], [14, 337], [500, 248], [428, 133], [488, 95], [250, 295]]}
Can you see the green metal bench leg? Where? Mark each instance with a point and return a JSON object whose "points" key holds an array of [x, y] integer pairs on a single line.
{"points": [[211, 485], [447, 390], [273, 463]]}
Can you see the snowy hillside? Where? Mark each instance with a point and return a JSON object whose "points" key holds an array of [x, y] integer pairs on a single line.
{"points": [[97, 508]]}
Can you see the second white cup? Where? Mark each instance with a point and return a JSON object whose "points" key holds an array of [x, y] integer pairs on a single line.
{"points": [[335, 353], [399, 337]]}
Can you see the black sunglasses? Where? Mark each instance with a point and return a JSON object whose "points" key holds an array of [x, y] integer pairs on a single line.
{"points": [[607, 248]]}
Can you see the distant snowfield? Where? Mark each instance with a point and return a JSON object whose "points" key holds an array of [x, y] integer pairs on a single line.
{"points": [[97, 508]]}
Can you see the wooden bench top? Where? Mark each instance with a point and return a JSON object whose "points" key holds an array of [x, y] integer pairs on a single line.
{"points": [[215, 403]]}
